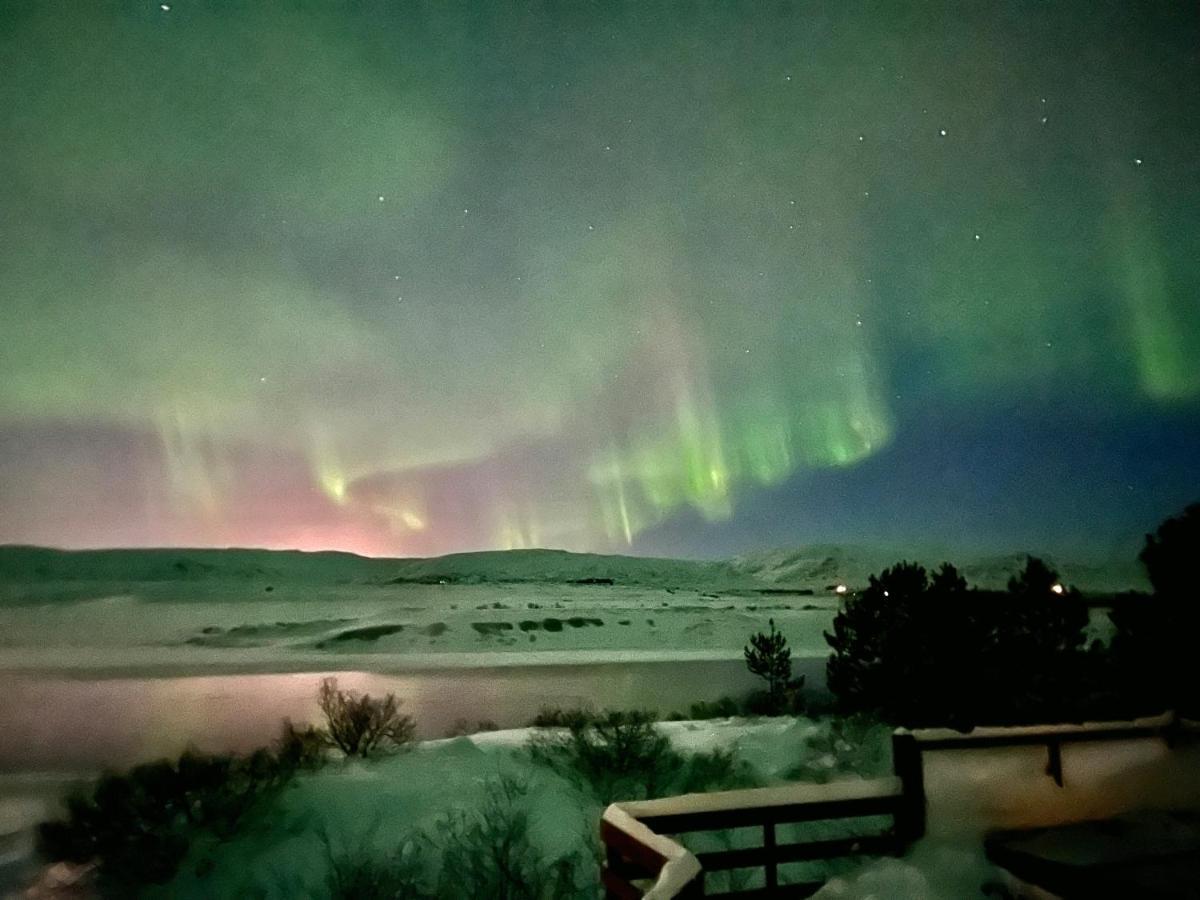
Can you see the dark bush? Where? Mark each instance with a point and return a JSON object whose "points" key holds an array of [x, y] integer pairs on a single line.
{"points": [[722, 708], [557, 717], [301, 748], [140, 825], [462, 727], [620, 755]]}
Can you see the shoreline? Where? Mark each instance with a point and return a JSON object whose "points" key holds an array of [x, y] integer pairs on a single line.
{"points": [[380, 663]]}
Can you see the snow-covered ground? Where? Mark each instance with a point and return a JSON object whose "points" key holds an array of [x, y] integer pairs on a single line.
{"points": [[377, 806]]}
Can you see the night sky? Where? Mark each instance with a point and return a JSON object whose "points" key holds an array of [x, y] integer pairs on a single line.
{"points": [[688, 278]]}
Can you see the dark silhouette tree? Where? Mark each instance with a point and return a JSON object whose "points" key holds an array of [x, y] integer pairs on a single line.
{"points": [[769, 657], [1038, 639], [1153, 643], [873, 658], [1171, 554], [926, 650]]}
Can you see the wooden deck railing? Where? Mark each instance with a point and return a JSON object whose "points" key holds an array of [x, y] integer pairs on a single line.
{"points": [[642, 861]]}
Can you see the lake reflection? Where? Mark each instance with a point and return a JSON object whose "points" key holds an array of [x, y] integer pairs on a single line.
{"points": [[68, 724]]}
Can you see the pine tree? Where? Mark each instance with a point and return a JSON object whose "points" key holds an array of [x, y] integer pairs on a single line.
{"points": [[769, 657]]}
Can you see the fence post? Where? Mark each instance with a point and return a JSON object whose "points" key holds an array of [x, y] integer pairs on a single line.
{"points": [[907, 764], [772, 865], [612, 862]]}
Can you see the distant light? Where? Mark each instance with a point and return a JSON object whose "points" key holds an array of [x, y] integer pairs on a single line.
{"points": [[381, 198], [1137, 162], [942, 132], [1057, 588], [164, 7], [885, 593], [840, 589]]}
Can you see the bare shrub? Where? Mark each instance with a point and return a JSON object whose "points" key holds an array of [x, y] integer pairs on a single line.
{"points": [[618, 755], [487, 851], [359, 724], [360, 873]]}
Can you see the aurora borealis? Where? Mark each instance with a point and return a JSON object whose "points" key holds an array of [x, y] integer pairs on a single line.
{"points": [[410, 278]]}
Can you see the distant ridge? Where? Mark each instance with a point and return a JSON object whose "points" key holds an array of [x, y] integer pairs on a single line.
{"points": [[815, 567]]}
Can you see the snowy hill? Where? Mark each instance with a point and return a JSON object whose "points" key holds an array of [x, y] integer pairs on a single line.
{"points": [[815, 567]]}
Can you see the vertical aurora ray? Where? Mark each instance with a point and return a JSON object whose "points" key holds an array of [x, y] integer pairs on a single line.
{"points": [[1166, 351]]}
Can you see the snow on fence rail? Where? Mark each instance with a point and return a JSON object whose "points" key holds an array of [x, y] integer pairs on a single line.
{"points": [[1168, 726], [643, 862]]}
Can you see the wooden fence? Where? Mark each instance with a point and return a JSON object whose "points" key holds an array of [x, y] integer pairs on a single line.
{"points": [[635, 868], [642, 861]]}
